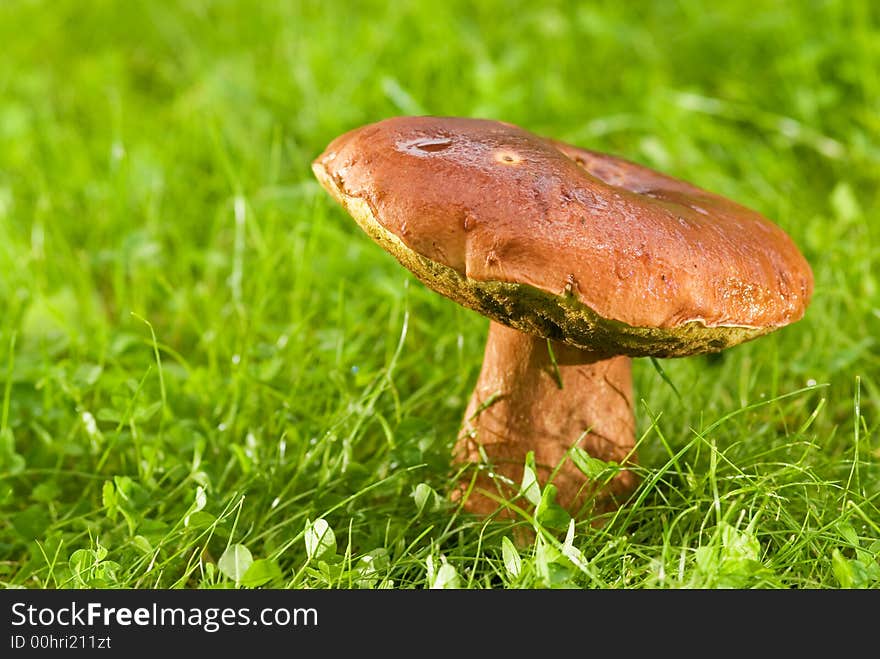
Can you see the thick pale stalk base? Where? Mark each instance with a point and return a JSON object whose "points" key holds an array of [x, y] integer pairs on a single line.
{"points": [[523, 402]]}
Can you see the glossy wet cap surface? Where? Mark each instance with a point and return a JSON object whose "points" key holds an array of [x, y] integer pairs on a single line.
{"points": [[496, 203]]}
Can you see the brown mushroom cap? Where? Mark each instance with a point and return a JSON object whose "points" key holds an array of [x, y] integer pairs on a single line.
{"points": [[565, 243]]}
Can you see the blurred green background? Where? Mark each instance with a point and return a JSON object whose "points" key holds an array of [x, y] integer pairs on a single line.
{"points": [[199, 349]]}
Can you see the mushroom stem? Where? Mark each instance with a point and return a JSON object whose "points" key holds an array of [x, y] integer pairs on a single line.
{"points": [[524, 402]]}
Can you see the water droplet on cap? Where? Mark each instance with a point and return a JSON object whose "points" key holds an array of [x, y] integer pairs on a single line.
{"points": [[506, 157], [423, 145], [431, 146]]}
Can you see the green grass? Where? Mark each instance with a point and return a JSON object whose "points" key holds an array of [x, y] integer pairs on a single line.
{"points": [[201, 354]]}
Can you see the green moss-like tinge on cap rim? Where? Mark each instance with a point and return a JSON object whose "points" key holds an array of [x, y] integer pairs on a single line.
{"points": [[542, 313]]}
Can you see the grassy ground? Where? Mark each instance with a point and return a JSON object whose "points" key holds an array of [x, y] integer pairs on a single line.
{"points": [[201, 355]]}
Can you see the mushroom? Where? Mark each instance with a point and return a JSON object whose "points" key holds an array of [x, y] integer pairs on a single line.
{"points": [[582, 261]]}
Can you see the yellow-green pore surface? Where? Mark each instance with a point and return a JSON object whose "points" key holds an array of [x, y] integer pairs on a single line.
{"points": [[542, 313]]}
